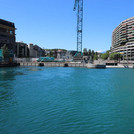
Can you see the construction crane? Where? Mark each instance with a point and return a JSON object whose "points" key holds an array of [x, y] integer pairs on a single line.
{"points": [[79, 5]]}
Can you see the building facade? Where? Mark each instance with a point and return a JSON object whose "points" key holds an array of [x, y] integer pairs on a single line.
{"points": [[123, 39], [39, 51], [7, 34], [35, 51], [21, 50], [56, 53]]}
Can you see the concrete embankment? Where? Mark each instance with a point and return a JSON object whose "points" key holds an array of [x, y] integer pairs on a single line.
{"points": [[62, 64], [71, 64], [53, 64], [9, 64], [118, 66], [98, 66], [122, 65]]}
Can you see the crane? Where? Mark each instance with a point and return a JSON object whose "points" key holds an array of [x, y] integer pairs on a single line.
{"points": [[79, 5]]}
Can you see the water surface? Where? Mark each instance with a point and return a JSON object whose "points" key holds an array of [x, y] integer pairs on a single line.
{"points": [[39, 100]]}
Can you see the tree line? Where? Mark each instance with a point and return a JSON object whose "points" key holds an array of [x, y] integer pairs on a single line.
{"points": [[91, 54], [108, 55]]}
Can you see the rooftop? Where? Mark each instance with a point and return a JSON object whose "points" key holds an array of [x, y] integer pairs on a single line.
{"points": [[7, 23]]}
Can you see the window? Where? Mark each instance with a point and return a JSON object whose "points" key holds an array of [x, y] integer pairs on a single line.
{"points": [[11, 32]]}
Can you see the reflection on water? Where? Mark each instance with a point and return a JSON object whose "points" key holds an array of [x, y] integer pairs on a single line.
{"points": [[33, 69], [7, 78], [6, 74]]}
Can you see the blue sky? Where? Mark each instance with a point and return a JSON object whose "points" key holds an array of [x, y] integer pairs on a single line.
{"points": [[52, 23]]}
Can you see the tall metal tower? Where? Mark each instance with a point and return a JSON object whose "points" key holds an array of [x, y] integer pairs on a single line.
{"points": [[79, 5]]}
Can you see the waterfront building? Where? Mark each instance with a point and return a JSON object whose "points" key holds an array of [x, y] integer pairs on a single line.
{"points": [[57, 53], [47, 52], [123, 39], [7, 34], [70, 54], [35, 51], [21, 50], [60, 53], [39, 51], [32, 52]]}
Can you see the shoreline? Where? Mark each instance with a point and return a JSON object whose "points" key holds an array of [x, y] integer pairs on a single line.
{"points": [[115, 66], [69, 64], [66, 64]]}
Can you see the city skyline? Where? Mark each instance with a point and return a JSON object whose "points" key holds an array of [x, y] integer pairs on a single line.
{"points": [[52, 24]]}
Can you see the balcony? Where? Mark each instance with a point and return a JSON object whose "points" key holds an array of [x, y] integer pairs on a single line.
{"points": [[130, 39], [6, 34]]}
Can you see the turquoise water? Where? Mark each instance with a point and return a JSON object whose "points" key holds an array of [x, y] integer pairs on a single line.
{"points": [[35, 100]]}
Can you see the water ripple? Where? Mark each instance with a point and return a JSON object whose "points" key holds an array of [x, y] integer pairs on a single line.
{"points": [[37, 100]]}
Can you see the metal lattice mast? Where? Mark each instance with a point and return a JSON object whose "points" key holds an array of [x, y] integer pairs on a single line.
{"points": [[79, 5]]}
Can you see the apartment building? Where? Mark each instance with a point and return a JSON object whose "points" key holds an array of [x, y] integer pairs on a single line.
{"points": [[7, 34], [123, 39]]}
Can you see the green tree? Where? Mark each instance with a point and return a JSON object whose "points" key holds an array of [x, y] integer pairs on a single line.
{"points": [[85, 53], [112, 56], [51, 53], [96, 53], [89, 53], [115, 56], [55, 53], [5, 51], [96, 56], [92, 54], [105, 55]]}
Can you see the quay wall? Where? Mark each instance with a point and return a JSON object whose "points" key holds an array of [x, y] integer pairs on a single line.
{"points": [[53, 64]]}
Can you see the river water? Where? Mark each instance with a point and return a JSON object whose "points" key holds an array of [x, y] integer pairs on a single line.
{"points": [[39, 100]]}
